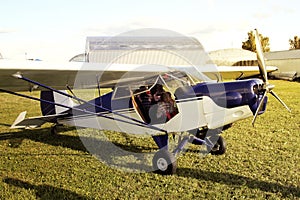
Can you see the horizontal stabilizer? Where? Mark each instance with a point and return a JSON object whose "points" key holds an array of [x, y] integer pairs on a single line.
{"points": [[19, 119], [33, 122]]}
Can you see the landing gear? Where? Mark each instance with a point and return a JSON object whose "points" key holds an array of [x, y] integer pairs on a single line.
{"points": [[215, 138], [220, 147], [164, 162], [54, 130]]}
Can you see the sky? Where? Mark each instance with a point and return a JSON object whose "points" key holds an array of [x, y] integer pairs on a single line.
{"points": [[56, 30]]}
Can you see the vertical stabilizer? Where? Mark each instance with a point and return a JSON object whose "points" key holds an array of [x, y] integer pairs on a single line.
{"points": [[51, 109]]}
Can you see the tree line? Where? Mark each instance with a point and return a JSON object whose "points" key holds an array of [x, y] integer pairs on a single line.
{"points": [[249, 44]]}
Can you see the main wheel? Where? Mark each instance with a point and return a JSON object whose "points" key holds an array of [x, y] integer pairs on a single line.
{"points": [[164, 162], [220, 147], [54, 130]]}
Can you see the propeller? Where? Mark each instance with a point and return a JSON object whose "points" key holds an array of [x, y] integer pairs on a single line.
{"points": [[267, 87]]}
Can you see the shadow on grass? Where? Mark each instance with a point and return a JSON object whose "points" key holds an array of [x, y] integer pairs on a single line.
{"points": [[43, 135], [237, 181], [114, 154], [3, 124], [44, 191]]}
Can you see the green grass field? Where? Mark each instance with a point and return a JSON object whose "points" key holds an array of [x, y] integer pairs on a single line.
{"points": [[260, 163]]}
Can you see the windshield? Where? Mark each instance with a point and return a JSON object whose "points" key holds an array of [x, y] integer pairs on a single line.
{"points": [[170, 82]]}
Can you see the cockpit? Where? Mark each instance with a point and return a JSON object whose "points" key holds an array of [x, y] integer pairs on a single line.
{"points": [[153, 96]]}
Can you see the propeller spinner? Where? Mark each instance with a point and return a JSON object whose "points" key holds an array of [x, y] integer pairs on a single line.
{"points": [[267, 87]]}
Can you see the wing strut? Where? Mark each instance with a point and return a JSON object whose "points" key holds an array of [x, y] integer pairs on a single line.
{"points": [[140, 123], [84, 111]]}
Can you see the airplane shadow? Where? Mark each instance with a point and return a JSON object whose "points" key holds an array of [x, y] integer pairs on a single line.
{"points": [[238, 180], [3, 124], [43, 135], [44, 191], [105, 151]]}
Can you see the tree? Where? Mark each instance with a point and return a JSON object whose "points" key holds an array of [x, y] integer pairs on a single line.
{"points": [[250, 43], [295, 44]]}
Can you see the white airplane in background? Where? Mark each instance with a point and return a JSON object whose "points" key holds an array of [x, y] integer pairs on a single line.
{"points": [[204, 107]]}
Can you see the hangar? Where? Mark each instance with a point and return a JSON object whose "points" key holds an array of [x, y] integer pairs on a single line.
{"points": [[288, 61]]}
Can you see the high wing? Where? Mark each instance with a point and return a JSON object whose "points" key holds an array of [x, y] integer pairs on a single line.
{"points": [[236, 72], [69, 74], [228, 72], [61, 75]]}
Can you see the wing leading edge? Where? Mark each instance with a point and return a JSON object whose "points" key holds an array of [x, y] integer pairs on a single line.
{"points": [[59, 76], [235, 72]]}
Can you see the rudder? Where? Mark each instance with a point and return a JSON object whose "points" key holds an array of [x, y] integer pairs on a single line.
{"points": [[52, 109]]}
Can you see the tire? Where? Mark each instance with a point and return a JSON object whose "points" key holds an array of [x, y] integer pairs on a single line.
{"points": [[220, 147], [164, 162], [54, 130]]}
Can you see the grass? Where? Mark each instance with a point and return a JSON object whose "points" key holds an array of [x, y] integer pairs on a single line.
{"points": [[260, 163]]}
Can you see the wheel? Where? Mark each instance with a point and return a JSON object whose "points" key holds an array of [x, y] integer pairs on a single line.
{"points": [[220, 147], [164, 162], [54, 130]]}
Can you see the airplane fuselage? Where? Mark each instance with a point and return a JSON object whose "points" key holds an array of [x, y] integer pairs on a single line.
{"points": [[211, 105]]}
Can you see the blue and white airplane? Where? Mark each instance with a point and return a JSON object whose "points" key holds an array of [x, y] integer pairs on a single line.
{"points": [[203, 108]]}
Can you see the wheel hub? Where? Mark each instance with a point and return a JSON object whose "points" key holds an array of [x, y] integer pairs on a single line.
{"points": [[162, 164]]}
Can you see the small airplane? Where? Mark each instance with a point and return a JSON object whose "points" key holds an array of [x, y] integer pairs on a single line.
{"points": [[287, 62], [200, 107]]}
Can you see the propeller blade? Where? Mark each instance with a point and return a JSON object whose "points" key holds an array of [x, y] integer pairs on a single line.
{"points": [[263, 72], [277, 97], [259, 107], [261, 59]]}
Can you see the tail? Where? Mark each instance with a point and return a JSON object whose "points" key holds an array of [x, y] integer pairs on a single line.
{"points": [[51, 109]]}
